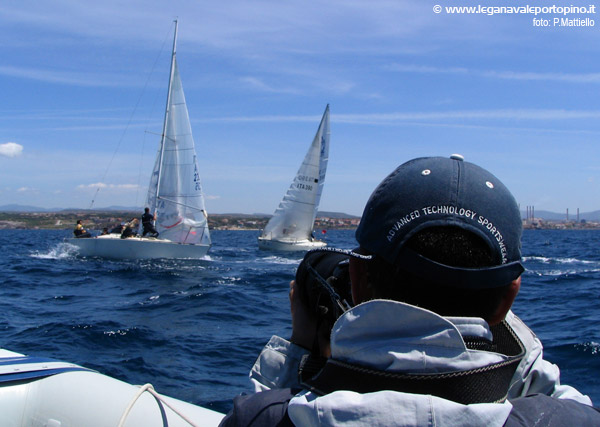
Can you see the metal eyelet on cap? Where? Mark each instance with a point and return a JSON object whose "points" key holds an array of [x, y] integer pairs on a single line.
{"points": [[489, 184], [425, 172]]}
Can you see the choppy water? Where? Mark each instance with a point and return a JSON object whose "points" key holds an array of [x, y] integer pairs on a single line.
{"points": [[194, 328]]}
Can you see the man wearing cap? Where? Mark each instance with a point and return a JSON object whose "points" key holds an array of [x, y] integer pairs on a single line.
{"points": [[430, 339]]}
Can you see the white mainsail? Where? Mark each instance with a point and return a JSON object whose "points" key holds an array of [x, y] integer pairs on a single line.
{"points": [[175, 191], [294, 218]]}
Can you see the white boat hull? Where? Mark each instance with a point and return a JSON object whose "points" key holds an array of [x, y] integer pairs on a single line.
{"points": [[112, 246], [289, 245], [87, 398]]}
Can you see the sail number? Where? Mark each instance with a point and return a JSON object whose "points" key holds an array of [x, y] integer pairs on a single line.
{"points": [[198, 187], [301, 186], [305, 182]]}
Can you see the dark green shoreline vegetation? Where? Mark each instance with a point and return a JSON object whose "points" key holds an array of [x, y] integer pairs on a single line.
{"points": [[97, 220]]}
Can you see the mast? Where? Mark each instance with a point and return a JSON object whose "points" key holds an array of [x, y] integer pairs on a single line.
{"points": [[163, 136]]}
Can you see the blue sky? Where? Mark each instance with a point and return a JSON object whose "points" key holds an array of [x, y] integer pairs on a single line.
{"points": [[83, 86]]}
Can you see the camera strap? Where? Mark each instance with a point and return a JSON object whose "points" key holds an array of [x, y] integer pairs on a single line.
{"points": [[342, 304], [487, 384]]}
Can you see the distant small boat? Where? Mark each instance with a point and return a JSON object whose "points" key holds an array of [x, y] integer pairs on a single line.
{"points": [[174, 193], [37, 391], [291, 226]]}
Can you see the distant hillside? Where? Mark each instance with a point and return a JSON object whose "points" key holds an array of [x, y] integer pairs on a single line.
{"points": [[589, 216], [320, 214], [553, 216], [233, 215], [545, 215], [25, 208], [334, 215]]}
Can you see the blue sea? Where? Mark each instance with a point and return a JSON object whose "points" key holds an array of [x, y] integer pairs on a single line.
{"points": [[194, 328]]}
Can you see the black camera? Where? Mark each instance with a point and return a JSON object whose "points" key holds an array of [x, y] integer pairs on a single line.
{"points": [[323, 282]]}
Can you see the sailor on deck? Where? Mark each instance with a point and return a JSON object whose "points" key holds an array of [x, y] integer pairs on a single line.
{"points": [[148, 223], [129, 229], [430, 339], [79, 231]]}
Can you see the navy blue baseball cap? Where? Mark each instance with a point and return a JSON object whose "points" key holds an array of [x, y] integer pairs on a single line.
{"points": [[437, 192]]}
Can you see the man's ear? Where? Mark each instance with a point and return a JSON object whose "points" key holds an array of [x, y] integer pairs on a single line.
{"points": [[507, 300], [361, 291]]}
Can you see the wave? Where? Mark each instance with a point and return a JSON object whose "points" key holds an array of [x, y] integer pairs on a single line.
{"points": [[556, 266], [558, 273], [281, 260], [60, 251], [550, 260], [591, 347]]}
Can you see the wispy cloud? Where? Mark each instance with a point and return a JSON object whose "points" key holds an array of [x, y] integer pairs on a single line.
{"points": [[282, 26], [506, 75], [501, 114], [256, 83], [108, 186], [560, 77], [259, 119], [398, 117], [11, 149], [64, 77], [412, 68]]}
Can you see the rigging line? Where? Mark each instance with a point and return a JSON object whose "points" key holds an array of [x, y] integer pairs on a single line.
{"points": [[148, 121], [160, 157], [181, 204], [129, 122], [153, 133], [139, 181]]}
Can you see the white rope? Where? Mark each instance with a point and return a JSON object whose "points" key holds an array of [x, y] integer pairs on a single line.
{"points": [[150, 389]]}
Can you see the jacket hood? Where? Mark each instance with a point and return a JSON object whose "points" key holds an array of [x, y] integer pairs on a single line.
{"points": [[397, 337]]}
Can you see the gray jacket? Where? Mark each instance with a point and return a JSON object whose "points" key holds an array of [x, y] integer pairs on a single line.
{"points": [[410, 340]]}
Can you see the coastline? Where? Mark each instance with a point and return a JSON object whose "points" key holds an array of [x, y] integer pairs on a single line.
{"points": [[96, 220]]}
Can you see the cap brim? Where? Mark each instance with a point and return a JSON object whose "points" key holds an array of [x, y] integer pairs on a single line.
{"points": [[458, 277], [350, 252]]}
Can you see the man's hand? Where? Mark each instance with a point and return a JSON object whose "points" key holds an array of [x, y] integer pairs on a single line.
{"points": [[304, 324]]}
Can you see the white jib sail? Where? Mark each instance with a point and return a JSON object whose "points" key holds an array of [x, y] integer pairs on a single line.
{"points": [[295, 216], [175, 191]]}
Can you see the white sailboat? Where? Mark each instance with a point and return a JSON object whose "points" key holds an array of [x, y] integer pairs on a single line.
{"points": [[174, 193], [291, 226]]}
